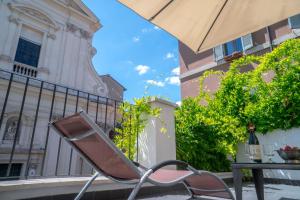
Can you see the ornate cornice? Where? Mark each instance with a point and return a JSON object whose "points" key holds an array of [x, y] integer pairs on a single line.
{"points": [[85, 34], [51, 35], [14, 19], [74, 29], [32, 12]]}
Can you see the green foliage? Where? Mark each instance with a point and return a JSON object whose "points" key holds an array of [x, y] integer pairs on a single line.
{"points": [[277, 103], [133, 121], [197, 142], [207, 134]]}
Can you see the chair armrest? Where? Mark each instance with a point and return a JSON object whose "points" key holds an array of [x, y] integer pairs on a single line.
{"points": [[169, 162]]}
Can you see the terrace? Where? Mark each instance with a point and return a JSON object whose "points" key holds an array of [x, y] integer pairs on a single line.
{"points": [[35, 162], [43, 50], [41, 165]]}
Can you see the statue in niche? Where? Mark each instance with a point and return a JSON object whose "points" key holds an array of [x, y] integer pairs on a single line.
{"points": [[11, 129]]}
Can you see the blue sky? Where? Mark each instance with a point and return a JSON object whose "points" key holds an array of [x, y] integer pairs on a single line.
{"points": [[139, 55]]}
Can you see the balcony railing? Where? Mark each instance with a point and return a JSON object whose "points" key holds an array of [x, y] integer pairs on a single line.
{"points": [[28, 147], [24, 69]]}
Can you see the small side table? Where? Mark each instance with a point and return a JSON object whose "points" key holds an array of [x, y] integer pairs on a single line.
{"points": [[258, 176]]}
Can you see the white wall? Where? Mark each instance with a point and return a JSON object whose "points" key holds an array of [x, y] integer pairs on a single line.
{"points": [[155, 146], [279, 138]]}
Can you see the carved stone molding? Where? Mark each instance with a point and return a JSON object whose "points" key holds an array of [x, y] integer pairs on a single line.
{"points": [[51, 35], [75, 29], [6, 58], [25, 119], [74, 5], [14, 19], [85, 34], [56, 117], [30, 11], [43, 70], [72, 27], [98, 89], [93, 51]]}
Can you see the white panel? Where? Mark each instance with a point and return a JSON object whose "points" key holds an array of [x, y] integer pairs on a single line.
{"points": [[218, 52], [247, 41], [32, 34]]}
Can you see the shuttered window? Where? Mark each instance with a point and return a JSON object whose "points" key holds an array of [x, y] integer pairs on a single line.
{"points": [[218, 52], [233, 46], [237, 45], [294, 21], [247, 41]]}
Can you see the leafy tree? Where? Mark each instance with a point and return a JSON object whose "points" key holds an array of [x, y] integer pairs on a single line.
{"points": [[197, 142], [133, 120], [206, 134]]}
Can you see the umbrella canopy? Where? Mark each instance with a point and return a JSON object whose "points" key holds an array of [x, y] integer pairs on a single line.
{"points": [[203, 24]]}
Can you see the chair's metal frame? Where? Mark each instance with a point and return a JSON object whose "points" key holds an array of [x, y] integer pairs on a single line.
{"points": [[139, 169]]}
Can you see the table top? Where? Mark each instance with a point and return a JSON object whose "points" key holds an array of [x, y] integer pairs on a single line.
{"points": [[288, 166]]}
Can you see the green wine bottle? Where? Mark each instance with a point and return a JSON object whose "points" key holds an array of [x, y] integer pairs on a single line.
{"points": [[254, 147]]}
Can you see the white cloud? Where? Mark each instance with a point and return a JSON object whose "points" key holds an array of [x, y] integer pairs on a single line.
{"points": [[144, 30], [142, 69], [136, 39], [149, 30], [156, 28], [156, 83], [176, 71], [178, 103], [173, 80], [129, 62], [169, 55]]}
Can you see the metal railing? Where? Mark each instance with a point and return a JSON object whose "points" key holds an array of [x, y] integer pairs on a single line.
{"points": [[28, 147]]}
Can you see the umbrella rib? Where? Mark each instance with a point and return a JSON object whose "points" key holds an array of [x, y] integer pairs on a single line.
{"points": [[211, 26], [164, 7]]}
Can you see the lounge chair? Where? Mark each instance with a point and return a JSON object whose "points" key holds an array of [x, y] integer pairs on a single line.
{"points": [[80, 131]]}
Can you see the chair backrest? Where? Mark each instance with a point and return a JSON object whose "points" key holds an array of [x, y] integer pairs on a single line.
{"points": [[81, 132]]}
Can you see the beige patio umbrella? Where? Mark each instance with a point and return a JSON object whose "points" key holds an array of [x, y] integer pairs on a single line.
{"points": [[203, 24]]}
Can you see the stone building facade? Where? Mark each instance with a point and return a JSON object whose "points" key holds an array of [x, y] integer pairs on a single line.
{"points": [[62, 31], [192, 65], [49, 44], [115, 90]]}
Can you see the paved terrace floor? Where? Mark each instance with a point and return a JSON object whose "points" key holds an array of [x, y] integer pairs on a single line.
{"points": [[66, 188], [272, 192]]}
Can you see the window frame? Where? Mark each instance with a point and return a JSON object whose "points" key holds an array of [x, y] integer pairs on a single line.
{"points": [[36, 62], [235, 46], [290, 23], [10, 120]]}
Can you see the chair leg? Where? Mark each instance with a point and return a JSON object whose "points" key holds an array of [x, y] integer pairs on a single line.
{"points": [[86, 186], [139, 185], [189, 191]]}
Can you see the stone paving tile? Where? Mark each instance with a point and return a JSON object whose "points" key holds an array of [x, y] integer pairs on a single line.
{"points": [[272, 192]]}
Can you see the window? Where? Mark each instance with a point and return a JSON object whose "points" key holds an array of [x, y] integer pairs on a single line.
{"points": [[294, 21], [218, 52], [28, 52], [233, 46], [11, 129], [238, 45], [14, 171]]}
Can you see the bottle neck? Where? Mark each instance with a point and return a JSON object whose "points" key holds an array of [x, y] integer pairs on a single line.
{"points": [[252, 138]]}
